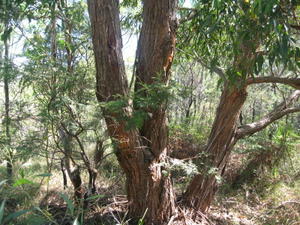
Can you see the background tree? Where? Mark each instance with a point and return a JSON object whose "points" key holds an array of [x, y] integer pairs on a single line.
{"points": [[59, 78]]}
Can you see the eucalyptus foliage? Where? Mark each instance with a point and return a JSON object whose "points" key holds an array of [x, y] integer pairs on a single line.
{"points": [[241, 36]]}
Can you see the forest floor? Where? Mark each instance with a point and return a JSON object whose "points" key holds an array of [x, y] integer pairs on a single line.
{"points": [[278, 204], [265, 201]]}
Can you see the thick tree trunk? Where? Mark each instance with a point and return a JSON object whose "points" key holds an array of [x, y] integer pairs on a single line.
{"points": [[202, 188], [153, 62], [150, 193], [141, 153], [149, 189]]}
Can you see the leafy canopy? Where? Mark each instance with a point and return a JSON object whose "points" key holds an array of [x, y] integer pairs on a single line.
{"points": [[241, 35]]}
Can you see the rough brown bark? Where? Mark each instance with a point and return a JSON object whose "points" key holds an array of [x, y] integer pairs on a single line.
{"points": [[141, 153], [224, 135], [153, 62], [202, 188]]}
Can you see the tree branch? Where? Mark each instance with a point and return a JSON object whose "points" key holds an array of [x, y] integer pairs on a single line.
{"points": [[280, 111], [293, 82], [193, 13], [297, 27], [214, 69]]}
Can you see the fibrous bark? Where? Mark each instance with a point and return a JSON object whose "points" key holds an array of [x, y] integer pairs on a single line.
{"points": [[140, 152], [202, 188], [224, 135]]}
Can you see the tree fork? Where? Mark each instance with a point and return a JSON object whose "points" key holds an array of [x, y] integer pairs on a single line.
{"points": [[224, 135], [149, 191]]}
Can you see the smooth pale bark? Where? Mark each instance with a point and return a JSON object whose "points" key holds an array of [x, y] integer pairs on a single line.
{"points": [[148, 189]]}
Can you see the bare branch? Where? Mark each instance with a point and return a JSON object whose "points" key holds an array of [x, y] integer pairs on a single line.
{"points": [[293, 82], [280, 111], [214, 69], [297, 27], [188, 9]]}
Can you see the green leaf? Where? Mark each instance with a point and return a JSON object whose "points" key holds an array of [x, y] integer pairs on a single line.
{"points": [[21, 182], [141, 220], [137, 120], [76, 221], [2, 211], [95, 197], [44, 175], [69, 202], [14, 215]]}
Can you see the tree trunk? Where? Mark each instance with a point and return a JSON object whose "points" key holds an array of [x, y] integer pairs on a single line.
{"points": [[149, 188], [73, 170], [9, 171], [201, 190], [63, 170], [77, 183], [140, 152], [9, 157], [150, 193]]}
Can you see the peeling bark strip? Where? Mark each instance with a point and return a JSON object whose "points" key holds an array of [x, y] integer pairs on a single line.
{"points": [[148, 189]]}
